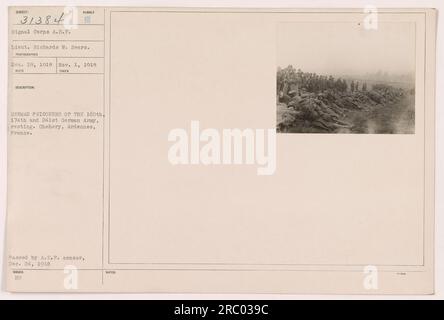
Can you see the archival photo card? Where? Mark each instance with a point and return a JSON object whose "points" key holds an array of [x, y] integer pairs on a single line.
{"points": [[145, 152]]}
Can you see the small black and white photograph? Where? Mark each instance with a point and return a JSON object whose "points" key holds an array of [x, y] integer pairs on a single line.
{"points": [[341, 77]]}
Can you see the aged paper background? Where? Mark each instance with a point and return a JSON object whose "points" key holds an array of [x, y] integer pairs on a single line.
{"points": [[294, 228]]}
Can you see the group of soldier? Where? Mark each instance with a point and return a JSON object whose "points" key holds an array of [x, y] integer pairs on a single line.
{"points": [[312, 82]]}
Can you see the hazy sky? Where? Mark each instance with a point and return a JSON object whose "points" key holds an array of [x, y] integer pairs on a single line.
{"points": [[347, 48]]}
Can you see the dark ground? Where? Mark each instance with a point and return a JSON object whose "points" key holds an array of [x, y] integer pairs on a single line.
{"points": [[395, 118]]}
